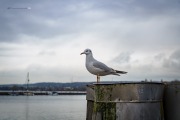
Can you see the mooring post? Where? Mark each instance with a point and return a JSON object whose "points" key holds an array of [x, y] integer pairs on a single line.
{"points": [[125, 101]]}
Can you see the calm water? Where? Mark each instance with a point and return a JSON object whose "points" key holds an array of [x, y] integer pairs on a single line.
{"points": [[43, 107]]}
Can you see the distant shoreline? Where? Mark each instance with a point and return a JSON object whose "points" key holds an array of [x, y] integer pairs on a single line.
{"points": [[32, 93]]}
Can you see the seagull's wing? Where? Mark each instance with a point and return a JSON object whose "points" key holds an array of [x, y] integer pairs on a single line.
{"points": [[101, 66]]}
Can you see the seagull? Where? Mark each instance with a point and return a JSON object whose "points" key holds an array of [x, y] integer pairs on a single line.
{"points": [[98, 68]]}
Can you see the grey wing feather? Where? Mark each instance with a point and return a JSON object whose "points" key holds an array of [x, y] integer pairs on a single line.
{"points": [[101, 65]]}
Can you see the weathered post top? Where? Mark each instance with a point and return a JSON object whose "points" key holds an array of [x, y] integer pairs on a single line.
{"points": [[125, 92], [122, 100]]}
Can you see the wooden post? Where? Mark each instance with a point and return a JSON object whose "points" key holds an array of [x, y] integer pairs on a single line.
{"points": [[125, 101]]}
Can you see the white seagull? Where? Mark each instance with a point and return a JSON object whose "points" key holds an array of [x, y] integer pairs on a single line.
{"points": [[98, 68]]}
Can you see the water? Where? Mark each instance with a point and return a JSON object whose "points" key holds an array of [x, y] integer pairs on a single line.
{"points": [[62, 107]]}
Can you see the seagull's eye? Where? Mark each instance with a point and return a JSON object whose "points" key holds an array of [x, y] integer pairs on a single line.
{"points": [[86, 50]]}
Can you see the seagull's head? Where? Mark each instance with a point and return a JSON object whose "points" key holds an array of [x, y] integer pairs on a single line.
{"points": [[87, 52]]}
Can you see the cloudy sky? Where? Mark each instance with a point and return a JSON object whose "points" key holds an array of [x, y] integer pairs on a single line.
{"points": [[141, 37]]}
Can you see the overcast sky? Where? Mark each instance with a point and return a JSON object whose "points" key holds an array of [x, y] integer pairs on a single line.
{"points": [[141, 37]]}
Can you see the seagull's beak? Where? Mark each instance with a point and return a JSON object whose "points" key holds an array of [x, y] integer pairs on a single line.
{"points": [[82, 53]]}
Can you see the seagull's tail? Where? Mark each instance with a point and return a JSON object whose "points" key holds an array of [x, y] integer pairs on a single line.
{"points": [[117, 72], [121, 72]]}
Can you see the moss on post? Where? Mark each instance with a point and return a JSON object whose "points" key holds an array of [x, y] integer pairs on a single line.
{"points": [[102, 102], [107, 110], [103, 93]]}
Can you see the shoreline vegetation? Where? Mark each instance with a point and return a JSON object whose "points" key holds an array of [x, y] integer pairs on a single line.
{"points": [[46, 86]]}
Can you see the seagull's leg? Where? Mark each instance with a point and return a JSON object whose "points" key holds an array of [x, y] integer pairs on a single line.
{"points": [[98, 78]]}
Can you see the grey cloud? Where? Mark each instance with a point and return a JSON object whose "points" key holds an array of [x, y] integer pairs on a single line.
{"points": [[6, 51], [47, 19], [159, 57], [122, 58], [173, 61], [29, 22], [47, 52], [176, 55], [142, 9]]}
